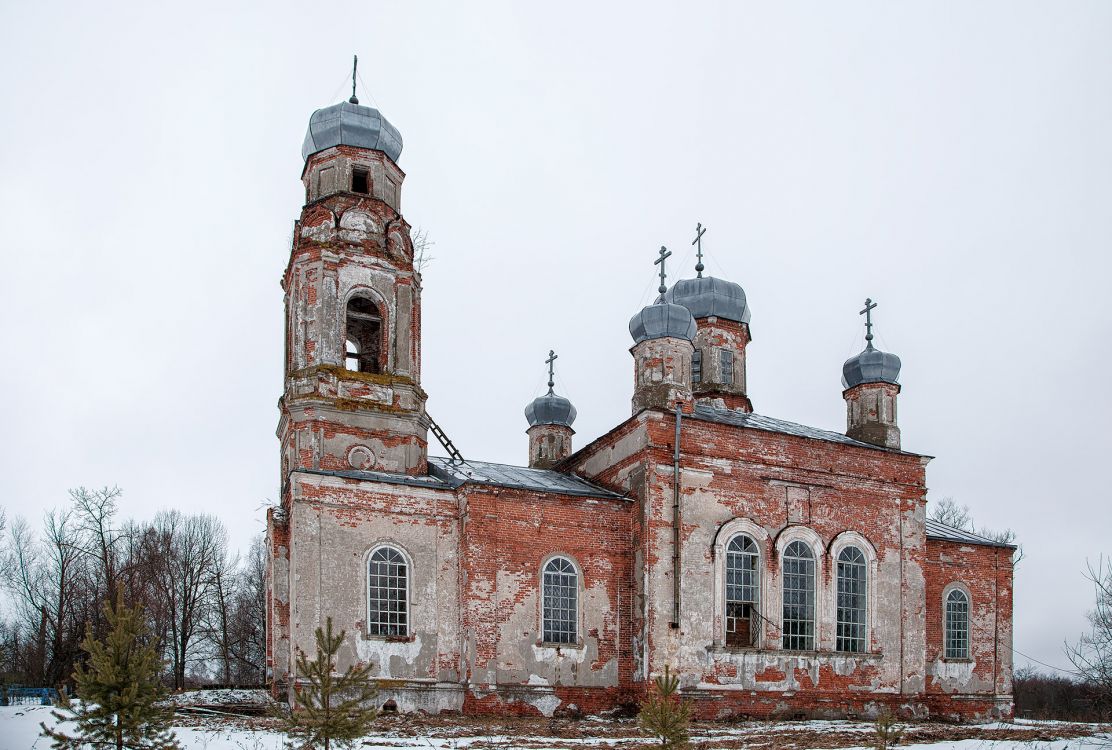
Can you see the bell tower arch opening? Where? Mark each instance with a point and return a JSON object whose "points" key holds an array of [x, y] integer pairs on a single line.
{"points": [[363, 332]]}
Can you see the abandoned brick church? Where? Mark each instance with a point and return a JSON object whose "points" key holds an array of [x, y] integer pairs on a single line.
{"points": [[778, 569]]}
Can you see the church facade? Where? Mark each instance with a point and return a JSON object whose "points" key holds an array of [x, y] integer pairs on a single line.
{"points": [[777, 569]]}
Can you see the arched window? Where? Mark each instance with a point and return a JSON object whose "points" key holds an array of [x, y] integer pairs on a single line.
{"points": [[851, 600], [957, 625], [743, 590], [387, 593], [364, 335], [799, 597], [560, 613]]}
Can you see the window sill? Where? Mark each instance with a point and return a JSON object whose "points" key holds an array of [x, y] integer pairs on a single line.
{"points": [[389, 638], [786, 652], [957, 660], [569, 646]]}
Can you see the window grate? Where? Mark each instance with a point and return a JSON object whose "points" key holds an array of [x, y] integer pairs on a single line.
{"points": [[742, 591], [561, 598], [851, 600], [957, 625], [387, 593], [726, 361], [799, 598]]}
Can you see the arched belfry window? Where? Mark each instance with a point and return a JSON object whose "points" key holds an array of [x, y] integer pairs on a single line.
{"points": [[743, 587], [799, 597], [364, 335], [387, 593], [560, 608], [957, 624], [851, 600]]}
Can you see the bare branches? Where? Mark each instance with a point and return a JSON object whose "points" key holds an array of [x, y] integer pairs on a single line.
{"points": [[1091, 655], [948, 511]]}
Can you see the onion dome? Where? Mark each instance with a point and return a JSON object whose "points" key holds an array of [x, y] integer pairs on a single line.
{"points": [[871, 366], [349, 124], [662, 320], [707, 296], [550, 409]]}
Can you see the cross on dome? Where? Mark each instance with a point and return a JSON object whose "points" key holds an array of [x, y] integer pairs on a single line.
{"points": [[552, 357], [700, 230], [664, 253], [868, 313]]}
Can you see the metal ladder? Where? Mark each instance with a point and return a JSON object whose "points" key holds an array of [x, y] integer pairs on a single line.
{"points": [[453, 451]]}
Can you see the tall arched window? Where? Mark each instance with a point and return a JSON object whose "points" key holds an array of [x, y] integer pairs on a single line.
{"points": [[560, 593], [387, 593], [364, 335], [851, 600], [957, 625], [799, 597], [743, 589]]}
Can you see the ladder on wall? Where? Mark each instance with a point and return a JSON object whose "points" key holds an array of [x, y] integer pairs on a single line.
{"points": [[453, 451]]}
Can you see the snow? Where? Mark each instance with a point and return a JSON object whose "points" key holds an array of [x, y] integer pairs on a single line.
{"points": [[19, 730]]}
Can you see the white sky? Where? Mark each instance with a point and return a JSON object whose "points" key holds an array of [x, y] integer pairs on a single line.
{"points": [[950, 159]]}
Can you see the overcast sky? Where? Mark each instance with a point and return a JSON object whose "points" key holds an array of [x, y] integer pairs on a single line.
{"points": [[952, 160]]}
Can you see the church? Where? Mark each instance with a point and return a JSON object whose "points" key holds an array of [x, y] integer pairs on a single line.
{"points": [[779, 570]]}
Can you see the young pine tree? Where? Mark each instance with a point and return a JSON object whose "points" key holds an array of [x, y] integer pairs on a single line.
{"points": [[664, 715], [120, 690], [329, 708]]}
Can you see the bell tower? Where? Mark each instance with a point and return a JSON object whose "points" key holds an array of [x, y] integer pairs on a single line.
{"points": [[352, 397]]}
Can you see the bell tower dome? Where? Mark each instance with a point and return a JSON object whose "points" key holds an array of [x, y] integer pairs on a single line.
{"points": [[352, 397]]}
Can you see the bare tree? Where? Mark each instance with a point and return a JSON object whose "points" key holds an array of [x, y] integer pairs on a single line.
{"points": [[217, 619], [421, 246], [1091, 656], [947, 511], [188, 549]]}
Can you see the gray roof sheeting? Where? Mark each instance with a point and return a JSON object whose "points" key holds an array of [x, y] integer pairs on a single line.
{"points": [[550, 409], [939, 530], [347, 124], [707, 296], [769, 424], [662, 320], [517, 477], [871, 366]]}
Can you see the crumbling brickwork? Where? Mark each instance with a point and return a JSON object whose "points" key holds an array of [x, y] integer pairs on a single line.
{"points": [[777, 569]]}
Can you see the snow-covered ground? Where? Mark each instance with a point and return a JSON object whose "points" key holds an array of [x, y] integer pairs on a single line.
{"points": [[209, 730]]}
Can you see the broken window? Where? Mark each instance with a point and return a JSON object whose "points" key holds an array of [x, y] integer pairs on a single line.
{"points": [[726, 362], [387, 593], [799, 598], [743, 591], [957, 625], [697, 366], [851, 600], [561, 602], [360, 181], [364, 336]]}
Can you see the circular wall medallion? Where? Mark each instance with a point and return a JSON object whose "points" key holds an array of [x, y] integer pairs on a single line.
{"points": [[361, 457]]}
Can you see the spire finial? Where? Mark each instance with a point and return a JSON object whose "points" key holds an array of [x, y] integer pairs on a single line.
{"points": [[354, 68], [700, 230], [868, 313], [552, 357], [664, 253]]}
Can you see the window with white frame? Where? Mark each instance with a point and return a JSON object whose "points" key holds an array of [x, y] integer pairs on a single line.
{"points": [[387, 593], [743, 590], [560, 584], [957, 625], [799, 597], [852, 581]]}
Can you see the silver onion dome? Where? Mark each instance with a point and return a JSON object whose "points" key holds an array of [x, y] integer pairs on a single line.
{"points": [[871, 366], [550, 409], [707, 296], [662, 320], [350, 124]]}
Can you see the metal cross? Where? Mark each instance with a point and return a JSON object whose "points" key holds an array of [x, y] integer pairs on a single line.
{"points": [[552, 357], [354, 67], [700, 230], [664, 253], [868, 313]]}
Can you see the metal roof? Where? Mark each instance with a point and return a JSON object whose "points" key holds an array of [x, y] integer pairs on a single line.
{"points": [[517, 477], [662, 320], [550, 409], [707, 296], [348, 124], [939, 530], [768, 424], [871, 366]]}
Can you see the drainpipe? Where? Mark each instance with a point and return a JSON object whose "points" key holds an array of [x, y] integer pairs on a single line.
{"points": [[676, 521]]}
